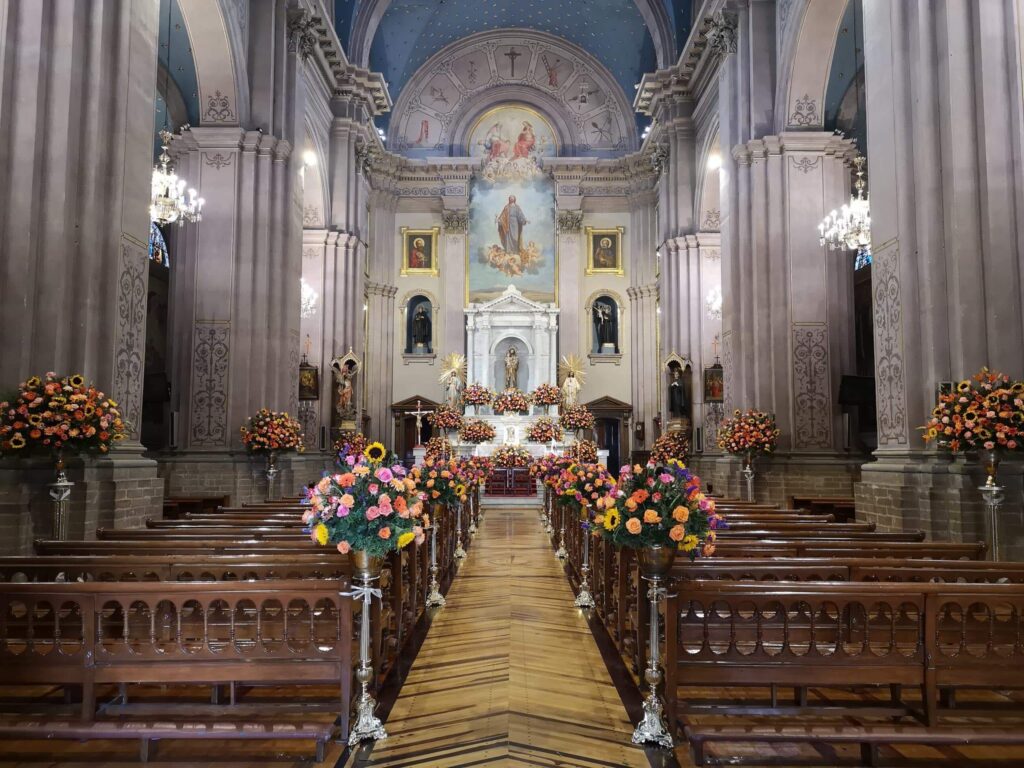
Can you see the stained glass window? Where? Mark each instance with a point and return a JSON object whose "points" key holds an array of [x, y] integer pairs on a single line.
{"points": [[158, 246], [863, 259]]}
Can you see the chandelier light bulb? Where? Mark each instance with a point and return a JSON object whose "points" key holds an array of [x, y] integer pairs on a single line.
{"points": [[168, 201], [309, 158], [714, 161], [713, 302], [309, 299], [850, 227]]}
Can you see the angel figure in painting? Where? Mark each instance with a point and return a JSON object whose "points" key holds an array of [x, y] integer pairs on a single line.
{"points": [[525, 143]]}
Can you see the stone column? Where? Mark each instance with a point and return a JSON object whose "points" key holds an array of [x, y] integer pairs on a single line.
{"points": [[643, 316], [944, 113], [570, 267], [76, 157], [456, 241]]}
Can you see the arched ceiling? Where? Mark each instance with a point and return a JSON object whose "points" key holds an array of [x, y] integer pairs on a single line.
{"points": [[629, 37]]}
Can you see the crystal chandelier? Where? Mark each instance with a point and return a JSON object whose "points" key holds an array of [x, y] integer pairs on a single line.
{"points": [[169, 202], [307, 307], [850, 226], [713, 302]]}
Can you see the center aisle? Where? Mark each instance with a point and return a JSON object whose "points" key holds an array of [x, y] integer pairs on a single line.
{"points": [[509, 673]]}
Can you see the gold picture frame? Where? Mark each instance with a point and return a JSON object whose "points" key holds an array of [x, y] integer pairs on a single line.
{"points": [[420, 258], [604, 250]]}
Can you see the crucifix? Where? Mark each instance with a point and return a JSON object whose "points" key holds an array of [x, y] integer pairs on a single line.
{"points": [[419, 423], [714, 346], [512, 55]]}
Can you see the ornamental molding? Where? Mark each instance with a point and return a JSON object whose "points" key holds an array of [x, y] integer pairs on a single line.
{"points": [[569, 221], [455, 222], [303, 37], [720, 33]]}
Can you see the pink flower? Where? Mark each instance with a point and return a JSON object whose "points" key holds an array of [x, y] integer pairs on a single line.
{"points": [[372, 513], [342, 511], [350, 460], [665, 477], [344, 547], [374, 488], [384, 475]]}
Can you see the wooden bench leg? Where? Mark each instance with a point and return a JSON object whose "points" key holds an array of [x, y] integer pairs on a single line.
{"points": [[773, 695], [697, 751], [145, 750], [800, 696], [88, 701], [122, 692], [869, 754], [320, 750], [947, 696], [896, 694]]}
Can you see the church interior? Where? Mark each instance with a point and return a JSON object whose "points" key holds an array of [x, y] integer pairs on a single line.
{"points": [[538, 383]]}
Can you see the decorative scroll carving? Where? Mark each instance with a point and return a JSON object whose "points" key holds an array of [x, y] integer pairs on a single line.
{"points": [[218, 160], [712, 220], [455, 222], [813, 422], [659, 158], [570, 222], [209, 407], [806, 112], [294, 358], [130, 334], [218, 109], [721, 33], [311, 216], [805, 164], [890, 377], [729, 376]]}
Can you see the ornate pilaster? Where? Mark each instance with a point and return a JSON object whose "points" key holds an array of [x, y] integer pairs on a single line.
{"points": [[456, 247], [571, 263]]}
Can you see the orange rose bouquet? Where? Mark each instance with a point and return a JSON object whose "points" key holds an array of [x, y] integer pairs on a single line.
{"points": [[511, 401], [543, 430], [372, 505], [748, 432], [512, 457], [662, 505], [445, 418], [583, 451], [437, 448], [51, 413], [476, 431], [439, 481], [272, 431], [590, 487], [985, 412], [672, 445]]}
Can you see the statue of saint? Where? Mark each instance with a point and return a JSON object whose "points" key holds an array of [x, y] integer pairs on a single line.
{"points": [[511, 368], [603, 325], [570, 390], [345, 388], [677, 405], [453, 389], [421, 328]]}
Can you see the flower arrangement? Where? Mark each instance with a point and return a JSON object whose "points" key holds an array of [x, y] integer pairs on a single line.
{"points": [[511, 457], [350, 444], [440, 482], [984, 412], [477, 395], [548, 467], [373, 506], [672, 445], [50, 413], [576, 417], [543, 431], [661, 505], [546, 394], [445, 418], [476, 431], [748, 432], [475, 470], [511, 401], [437, 448], [589, 486], [583, 451], [272, 431]]}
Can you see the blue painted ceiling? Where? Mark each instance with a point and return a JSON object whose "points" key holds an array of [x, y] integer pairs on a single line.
{"points": [[845, 93], [411, 31], [174, 56]]}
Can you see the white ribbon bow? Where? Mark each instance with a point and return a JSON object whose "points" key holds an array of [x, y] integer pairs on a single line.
{"points": [[366, 594]]}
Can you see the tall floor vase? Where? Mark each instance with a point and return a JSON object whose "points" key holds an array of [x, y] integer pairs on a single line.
{"points": [[434, 597], [655, 563], [366, 568]]}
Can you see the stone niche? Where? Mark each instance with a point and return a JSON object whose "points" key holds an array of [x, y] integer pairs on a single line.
{"points": [[512, 320]]}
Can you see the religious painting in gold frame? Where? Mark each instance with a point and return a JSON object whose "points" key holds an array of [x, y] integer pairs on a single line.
{"points": [[604, 251], [419, 251]]}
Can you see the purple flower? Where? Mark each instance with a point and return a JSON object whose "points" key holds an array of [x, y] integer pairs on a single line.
{"points": [[342, 511], [665, 477], [350, 460], [384, 475]]}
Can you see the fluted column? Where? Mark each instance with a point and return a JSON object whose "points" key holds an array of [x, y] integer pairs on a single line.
{"points": [[645, 354], [944, 91], [570, 267], [380, 315], [456, 243], [76, 153]]}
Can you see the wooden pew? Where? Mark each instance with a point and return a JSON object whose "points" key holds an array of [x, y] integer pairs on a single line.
{"points": [[844, 635], [269, 633], [842, 507]]}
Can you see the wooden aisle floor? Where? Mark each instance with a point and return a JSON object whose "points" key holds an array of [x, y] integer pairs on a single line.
{"points": [[509, 673]]}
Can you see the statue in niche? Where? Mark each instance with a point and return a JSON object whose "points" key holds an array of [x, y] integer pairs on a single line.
{"points": [[678, 407], [421, 329], [570, 390], [604, 327], [453, 389], [345, 371], [511, 368]]}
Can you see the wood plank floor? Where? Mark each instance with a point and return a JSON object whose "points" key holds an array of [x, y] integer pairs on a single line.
{"points": [[509, 673]]}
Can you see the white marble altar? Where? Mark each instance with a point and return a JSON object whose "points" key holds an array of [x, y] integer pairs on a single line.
{"points": [[512, 319]]}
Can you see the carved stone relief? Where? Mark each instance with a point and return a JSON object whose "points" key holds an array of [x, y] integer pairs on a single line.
{"points": [[129, 354], [805, 113], [218, 109], [890, 377], [812, 415], [209, 406]]}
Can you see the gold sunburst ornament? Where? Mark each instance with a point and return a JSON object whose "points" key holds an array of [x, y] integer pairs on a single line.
{"points": [[571, 364], [453, 363]]}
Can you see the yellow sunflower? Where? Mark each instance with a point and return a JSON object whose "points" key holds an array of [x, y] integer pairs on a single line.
{"points": [[375, 452], [77, 380], [611, 519], [17, 441]]}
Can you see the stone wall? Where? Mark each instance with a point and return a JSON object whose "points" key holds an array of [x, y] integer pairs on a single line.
{"points": [[121, 490], [781, 476], [239, 476]]}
